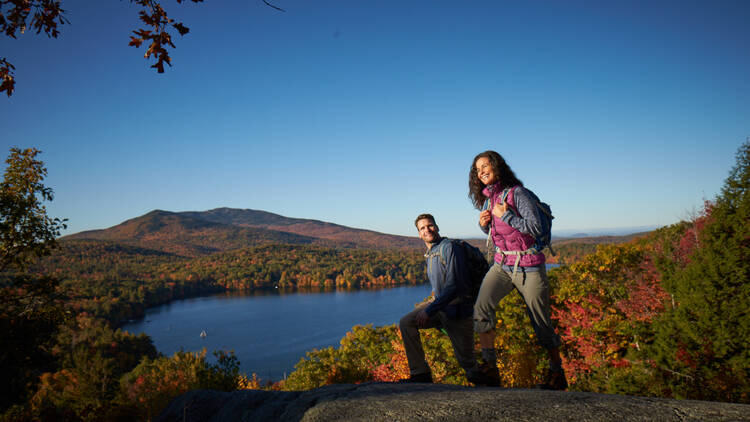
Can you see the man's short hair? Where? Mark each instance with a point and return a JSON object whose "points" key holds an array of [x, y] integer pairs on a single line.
{"points": [[422, 217]]}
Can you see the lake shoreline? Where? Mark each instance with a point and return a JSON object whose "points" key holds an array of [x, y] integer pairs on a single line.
{"points": [[271, 332]]}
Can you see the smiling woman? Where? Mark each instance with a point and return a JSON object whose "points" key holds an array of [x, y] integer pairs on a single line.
{"points": [[512, 218]]}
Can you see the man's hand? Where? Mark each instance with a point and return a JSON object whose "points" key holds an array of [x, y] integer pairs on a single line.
{"points": [[499, 209], [422, 318], [484, 218]]}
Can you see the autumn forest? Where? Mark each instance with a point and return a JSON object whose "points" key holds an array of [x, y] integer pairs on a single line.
{"points": [[660, 314]]}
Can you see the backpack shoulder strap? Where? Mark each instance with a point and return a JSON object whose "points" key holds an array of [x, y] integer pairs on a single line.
{"points": [[490, 246], [509, 196], [443, 257], [440, 253]]}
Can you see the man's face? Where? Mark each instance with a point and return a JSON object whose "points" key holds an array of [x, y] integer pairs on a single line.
{"points": [[428, 230]]}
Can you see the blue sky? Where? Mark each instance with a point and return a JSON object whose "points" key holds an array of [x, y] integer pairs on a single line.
{"points": [[618, 114]]}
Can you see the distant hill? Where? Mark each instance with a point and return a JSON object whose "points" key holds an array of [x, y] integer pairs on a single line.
{"points": [[189, 236], [306, 227], [200, 233], [595, 240]]}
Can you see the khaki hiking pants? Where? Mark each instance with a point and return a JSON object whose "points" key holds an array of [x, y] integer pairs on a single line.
{"points": [[532, 285]]}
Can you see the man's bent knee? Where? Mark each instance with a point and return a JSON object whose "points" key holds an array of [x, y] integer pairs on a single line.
{"points": [[406, 321], [483, 325]]}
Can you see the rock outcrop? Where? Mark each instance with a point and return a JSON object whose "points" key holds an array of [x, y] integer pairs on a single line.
{"points": [[373, 402]]}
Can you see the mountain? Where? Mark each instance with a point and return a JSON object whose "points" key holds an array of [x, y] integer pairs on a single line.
{"points": [[195, 233], [190, 236], [306, 227], [599, 232], [583, 238], [198, 233]]}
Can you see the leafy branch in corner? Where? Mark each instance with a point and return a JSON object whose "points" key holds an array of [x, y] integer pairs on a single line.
{"points": [[46, 15]]}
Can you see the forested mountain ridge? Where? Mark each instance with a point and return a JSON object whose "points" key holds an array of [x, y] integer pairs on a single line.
{"points": [[186, 235], [220, 229]]}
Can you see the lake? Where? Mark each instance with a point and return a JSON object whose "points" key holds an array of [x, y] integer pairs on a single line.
{"points": [[270, 332]]}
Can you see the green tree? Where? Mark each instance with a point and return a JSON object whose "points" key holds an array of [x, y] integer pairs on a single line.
{"points": [[702, 345], [26, 232], [29, 311]]}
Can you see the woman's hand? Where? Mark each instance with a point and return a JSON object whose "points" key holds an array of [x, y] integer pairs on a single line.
{"points": [[499, 209], [484, 218]]}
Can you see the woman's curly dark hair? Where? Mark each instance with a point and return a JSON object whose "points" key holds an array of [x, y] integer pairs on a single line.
{"points": [[506, 177]]}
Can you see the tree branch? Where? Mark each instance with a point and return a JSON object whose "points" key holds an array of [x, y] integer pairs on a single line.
{"points": [[275, 7]]}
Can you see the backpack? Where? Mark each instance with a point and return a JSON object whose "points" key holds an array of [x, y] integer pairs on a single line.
{"points": [[476, 265], [545, 218], [544, 240]]}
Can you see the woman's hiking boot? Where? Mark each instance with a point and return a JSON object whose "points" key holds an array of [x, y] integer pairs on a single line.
{"points": [[554, 380], [484, 375], [424, 378]]}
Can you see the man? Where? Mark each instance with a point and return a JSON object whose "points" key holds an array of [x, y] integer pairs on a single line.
{"points": [[449, 310]]}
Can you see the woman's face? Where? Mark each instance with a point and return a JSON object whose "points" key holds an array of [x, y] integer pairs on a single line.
{"points": [[485, 173]]}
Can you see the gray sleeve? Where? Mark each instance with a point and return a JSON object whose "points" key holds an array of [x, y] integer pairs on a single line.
{"points": [[528, 220]]}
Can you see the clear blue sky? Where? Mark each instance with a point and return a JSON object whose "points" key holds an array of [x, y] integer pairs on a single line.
{"points": [[366, 113]]}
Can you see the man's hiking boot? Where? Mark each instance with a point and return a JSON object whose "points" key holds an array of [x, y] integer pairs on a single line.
{"points": [[484, 375], [554, 380], [424, 378]]}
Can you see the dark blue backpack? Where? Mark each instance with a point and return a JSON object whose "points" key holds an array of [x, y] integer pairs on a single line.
{"points": [[476, 265]]}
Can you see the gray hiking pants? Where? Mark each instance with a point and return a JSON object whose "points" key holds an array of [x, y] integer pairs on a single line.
{"points": [[459, 331], [532, 285]]}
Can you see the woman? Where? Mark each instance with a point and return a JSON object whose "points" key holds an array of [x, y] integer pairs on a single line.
{"points": [[513, 222]]}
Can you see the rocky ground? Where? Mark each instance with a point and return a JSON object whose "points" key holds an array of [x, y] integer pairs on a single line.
{"points": [[438, 402]]}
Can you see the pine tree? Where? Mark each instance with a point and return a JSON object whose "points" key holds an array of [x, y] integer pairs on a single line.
{"points": [[702, 346]]}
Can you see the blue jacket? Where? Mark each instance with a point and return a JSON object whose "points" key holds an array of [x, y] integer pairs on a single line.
{"points": [[449, 280]]}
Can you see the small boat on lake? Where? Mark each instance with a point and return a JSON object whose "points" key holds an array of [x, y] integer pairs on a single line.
{"points": [[203, 334]]}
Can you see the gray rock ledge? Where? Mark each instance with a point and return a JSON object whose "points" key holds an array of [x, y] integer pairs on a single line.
{"points": [[438, 402]]}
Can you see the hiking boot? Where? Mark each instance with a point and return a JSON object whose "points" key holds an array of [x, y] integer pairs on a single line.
{"points": [[554, 380], [424, 378], [484, 375]]}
